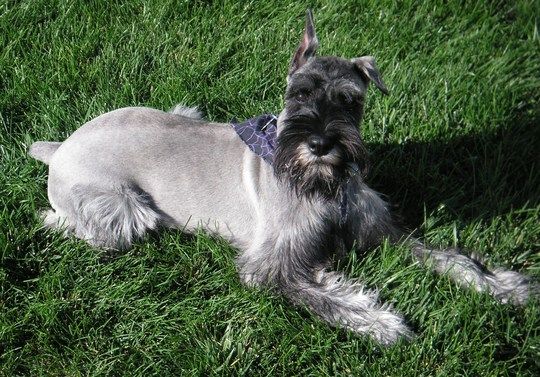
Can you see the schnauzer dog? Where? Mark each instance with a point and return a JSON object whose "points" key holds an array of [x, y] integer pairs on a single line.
{"points": [[287, 191]]}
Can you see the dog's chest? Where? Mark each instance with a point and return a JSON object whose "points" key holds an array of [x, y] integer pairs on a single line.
{"points": [[313, 225]]}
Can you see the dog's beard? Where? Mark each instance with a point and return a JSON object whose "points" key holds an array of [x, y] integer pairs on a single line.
{"points": [[310, 175]]}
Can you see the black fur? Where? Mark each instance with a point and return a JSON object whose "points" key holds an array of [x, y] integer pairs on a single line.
{"points": [[324, 98]]}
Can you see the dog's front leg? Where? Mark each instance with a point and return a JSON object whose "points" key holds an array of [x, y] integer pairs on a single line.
{"points": [[469, 271], [345, 303], [369, 222], [330, 295]]}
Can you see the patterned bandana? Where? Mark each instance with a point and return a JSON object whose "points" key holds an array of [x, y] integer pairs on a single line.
{"points": [[259, 134]]}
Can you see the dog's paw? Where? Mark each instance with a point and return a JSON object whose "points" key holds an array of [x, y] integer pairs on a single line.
{"points": [[382, 325], [510, 287]]}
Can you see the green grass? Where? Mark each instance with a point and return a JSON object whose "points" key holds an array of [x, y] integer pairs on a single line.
{"points": [[454, 147]]}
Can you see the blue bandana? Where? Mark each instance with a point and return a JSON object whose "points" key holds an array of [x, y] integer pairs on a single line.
{"points": [[259, 134]]}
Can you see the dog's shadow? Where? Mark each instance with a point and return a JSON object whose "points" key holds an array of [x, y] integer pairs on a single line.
{"points": [[473, 177]]}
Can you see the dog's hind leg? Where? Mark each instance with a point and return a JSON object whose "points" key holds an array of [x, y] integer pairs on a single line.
{"points": [[113, 217], [506, 286]]}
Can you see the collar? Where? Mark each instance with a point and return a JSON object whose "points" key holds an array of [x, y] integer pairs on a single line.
{"points": [[259, 134]]}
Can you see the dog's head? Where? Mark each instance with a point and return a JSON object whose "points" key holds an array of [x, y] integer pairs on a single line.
{"points": [[319, 141]]}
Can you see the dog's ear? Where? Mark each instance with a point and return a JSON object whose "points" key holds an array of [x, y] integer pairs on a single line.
{"points": [[368, 68], [307, 46]]}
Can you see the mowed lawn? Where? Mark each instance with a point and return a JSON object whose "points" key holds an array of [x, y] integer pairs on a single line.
{"points": [[454, 147]]}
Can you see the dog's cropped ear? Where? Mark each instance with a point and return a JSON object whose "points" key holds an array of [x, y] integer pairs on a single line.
{"points": [[368, 68], [307, 46]]}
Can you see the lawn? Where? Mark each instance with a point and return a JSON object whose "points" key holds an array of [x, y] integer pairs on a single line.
{"points": [[454, 147]]}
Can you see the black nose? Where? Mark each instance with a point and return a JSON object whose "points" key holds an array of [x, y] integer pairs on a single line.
{"points": [[319, 145]]}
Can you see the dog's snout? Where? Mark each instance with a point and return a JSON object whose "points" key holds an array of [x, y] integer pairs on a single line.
{"points": [[319, 145]]}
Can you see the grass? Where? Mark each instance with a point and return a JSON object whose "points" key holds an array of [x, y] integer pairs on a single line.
{"points": [[454, 147]]}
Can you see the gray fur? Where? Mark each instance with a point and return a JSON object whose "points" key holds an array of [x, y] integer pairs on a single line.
{"points": [[189, 112], [506, 286], [43, 150], [133, 169]]}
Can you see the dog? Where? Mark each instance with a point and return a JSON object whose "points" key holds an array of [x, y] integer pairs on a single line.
{"points": [[288, 191]]}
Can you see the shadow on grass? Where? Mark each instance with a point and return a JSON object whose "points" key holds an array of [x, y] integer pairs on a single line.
{"points": [[471, 177], [474, 177]]}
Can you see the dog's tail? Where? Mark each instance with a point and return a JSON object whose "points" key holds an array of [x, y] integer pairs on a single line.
{"points": [[346, 303], [43, 150]]}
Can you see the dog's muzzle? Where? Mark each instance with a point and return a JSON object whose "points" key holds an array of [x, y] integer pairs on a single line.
{"points": [[319, 145]]}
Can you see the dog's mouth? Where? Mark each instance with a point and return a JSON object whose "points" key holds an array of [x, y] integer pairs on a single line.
{"points": [[334, 157], [316, 160], [310, 174]]}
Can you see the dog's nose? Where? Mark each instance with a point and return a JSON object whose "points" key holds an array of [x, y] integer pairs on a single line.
{"points": [[318, 145]]}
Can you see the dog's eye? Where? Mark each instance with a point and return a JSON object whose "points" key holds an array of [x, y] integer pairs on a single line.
{"points": [[345, 99], [348, 99], [302, 96]]}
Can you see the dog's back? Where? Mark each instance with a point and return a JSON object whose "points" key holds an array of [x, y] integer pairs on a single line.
{"points": [[133, 168]]}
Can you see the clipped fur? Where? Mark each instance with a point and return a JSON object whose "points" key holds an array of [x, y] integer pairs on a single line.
{"points": [[43, 150]]}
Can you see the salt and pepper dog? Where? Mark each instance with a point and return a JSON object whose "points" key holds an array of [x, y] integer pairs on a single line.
{"points": [[291, 200]]}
